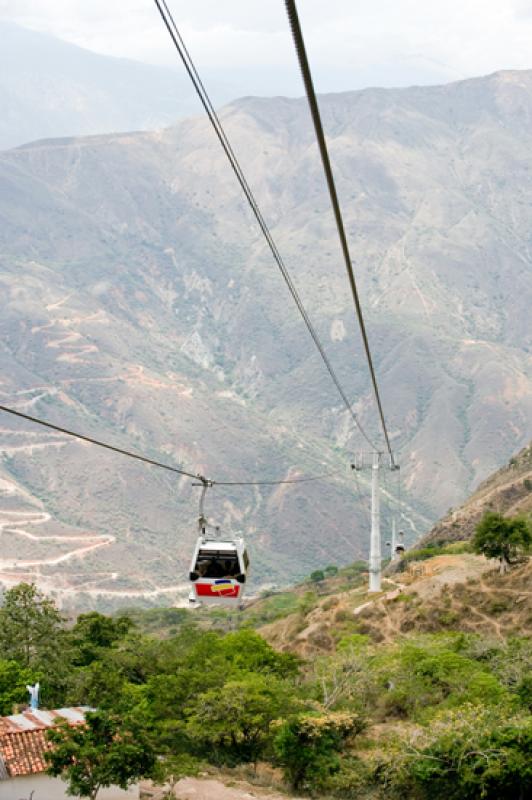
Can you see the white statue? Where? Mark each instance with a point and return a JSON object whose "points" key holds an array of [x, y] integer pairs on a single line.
{"points": [[34, 696]]}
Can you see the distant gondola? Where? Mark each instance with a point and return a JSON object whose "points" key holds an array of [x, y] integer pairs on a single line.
{"points": [[219, 566], [218, 571]]}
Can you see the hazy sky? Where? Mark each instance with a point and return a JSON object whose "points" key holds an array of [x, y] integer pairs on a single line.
{"points": [[351, 43]]}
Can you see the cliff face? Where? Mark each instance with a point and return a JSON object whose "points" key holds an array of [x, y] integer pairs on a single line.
{"points": [[140, 305]]}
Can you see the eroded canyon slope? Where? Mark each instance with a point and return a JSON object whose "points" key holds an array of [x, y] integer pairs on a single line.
{"points": [[140, 304], [508, 491]]}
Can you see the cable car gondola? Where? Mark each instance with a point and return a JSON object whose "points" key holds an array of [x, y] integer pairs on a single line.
{"points": [[219, 566]]}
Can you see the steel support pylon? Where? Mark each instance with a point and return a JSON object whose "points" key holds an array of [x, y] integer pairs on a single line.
{"points": [[393, 553], [375, 541]]}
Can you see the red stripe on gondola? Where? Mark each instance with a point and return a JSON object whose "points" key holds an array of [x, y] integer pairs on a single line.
{"points": [[217, 590]]}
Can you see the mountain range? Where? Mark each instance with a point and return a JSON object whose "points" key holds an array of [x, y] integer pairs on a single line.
{"points": [[49, 88], [141, 305]]}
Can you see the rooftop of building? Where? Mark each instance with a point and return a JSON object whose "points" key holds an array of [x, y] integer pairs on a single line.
{"points": [[23, 741]]}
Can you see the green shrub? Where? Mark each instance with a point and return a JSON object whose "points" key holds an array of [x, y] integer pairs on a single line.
{"points": [[499, 605], [353, 642], [447, 618], [524, 691], [355, 570], [432, 550], [466, 754], [457, 548], [307, 747], [331, 571], [418, 676], [351, 780]]}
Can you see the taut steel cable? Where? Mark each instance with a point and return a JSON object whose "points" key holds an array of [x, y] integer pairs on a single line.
{"points": [[153, 462], [318, 127], [183, 53]]}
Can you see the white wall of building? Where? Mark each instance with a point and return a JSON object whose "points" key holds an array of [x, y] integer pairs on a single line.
{"points": [[46, 788]]}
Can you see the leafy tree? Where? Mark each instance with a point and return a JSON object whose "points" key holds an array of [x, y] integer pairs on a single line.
{"points": [[330, 571], [200, 661], [196, 662], [30, 626], [94, 632], [13, 682], [308, 747], [232, 724], [317, 576], [246, 650], [105, 751], [135, 656], [100, 684], [502, 538]]}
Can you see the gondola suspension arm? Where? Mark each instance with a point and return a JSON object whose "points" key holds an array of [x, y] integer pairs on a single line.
{"points": [[205, 484]]}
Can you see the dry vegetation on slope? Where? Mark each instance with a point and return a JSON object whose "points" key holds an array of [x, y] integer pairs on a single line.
{"points": [[448, 592]]}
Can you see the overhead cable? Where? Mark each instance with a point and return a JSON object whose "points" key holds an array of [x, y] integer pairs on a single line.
{"points": [[316, 118], [97, 442], [275, 483], [181, 48], [153, 462]]}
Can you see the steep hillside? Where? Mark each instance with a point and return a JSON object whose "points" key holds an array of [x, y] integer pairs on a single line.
{"points": [[508, 492], [451, 590], [445, 593], [139, 304]]}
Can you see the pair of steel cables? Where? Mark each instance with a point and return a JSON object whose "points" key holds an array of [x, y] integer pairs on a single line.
{"points": [[188, 63]]}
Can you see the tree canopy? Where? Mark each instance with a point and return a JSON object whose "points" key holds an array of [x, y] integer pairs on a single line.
{"points": [[13, 681], [501, 537], [204, 696], [105, 751], [30, 625]]}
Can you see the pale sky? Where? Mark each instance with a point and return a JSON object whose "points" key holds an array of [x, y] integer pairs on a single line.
{"points": [[351, 43]]}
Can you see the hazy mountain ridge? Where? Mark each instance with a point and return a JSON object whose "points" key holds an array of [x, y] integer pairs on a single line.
{"points": [[49, 87], [139, 295]]}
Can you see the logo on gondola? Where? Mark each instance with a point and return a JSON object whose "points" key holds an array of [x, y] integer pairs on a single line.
{"points": [[221, 585]]}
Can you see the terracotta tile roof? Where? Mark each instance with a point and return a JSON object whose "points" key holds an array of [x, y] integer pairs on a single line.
{"points": [[23, 753], [23, 740]]}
